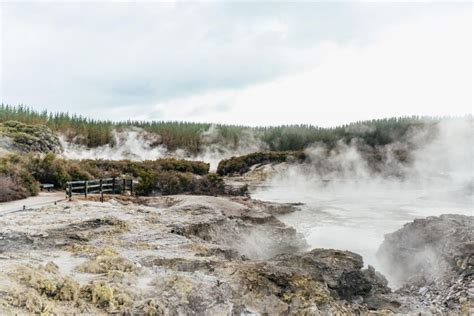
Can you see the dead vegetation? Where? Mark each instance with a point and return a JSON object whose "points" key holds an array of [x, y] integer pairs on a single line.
{"points": [[90, 250], [42, 287], [44, 290], [106, 264], [11, 190], [112, 298]]}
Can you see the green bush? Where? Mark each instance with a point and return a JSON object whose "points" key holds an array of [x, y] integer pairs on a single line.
{"points": [[76, 172], [173, 182], [49, 169], [30, 138], [171, 164], [117, 168], [162, 176], [147, 184]]}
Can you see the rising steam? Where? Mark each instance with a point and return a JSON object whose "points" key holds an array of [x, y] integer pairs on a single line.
{"points": [[350, 205], [132, 143], [214, 148], [137, 144], [351, 199]]}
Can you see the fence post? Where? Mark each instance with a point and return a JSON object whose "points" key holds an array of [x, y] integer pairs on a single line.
{"points": [[124, 188], [113, 185], [131, 186], [85, 189], [69, 191], [101, 192]]}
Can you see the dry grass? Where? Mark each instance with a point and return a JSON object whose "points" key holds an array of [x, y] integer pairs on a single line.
{"points": [[90, 250], [106, 264], [43, 290]]}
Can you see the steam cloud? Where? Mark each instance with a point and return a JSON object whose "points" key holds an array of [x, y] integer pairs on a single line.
{"points": [[137, 144], [214, 148], [349, 205], [132, 143], [440, 154], [350, 202]]}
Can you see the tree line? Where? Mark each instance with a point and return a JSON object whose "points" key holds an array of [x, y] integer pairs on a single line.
{"points": [[189, 136]]}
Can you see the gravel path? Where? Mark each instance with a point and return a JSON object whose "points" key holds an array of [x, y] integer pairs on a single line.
{"points": [[32, 202]]}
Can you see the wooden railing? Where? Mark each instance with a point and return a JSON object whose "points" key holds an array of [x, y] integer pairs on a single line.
{"points": [[99, 186]]}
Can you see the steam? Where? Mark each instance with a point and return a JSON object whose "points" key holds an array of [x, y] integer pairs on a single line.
{"points": [[353, 193], [137, 144], [215, 148], [131, 143], [351, 202], [450, 155], [440, 153]]}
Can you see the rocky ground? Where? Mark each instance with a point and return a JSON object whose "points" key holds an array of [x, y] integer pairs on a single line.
{"points": [[433, 259], [257, 175], [190, 255]]}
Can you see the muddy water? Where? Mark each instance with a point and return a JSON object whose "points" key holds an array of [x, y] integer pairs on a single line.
{"points": [[356, 217]]}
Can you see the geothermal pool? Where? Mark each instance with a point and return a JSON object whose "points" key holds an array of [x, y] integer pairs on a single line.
{"points": [[356, 216]]}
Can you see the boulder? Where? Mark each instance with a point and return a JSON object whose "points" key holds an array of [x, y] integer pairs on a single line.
{"points": [[340, 270], [433, 260]]}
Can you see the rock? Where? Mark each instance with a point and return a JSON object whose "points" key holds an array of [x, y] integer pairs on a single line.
{"points": [[202, 255], [320, 282], [234, 224], [433, 258], [342, 272]]}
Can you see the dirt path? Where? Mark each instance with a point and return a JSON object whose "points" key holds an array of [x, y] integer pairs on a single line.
{"points": [[32, 202]]}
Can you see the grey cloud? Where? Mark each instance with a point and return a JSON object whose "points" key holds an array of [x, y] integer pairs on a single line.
{"points": [[101, 55]]}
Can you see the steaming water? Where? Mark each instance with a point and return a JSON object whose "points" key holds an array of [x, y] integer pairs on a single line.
{"points": [[352, 214], [354, 208], [356, 216]]}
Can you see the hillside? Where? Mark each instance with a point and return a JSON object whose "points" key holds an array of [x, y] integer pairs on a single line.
{"points": [[196, 137], [19, 137]]}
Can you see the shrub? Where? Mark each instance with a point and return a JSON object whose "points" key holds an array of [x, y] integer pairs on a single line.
{"points": [[147, 184], [30, 138], [171, 164], [49, 169], [76, 172], [110, 168], [10, 190], [172, 182], [13, 170], [163, 176]]}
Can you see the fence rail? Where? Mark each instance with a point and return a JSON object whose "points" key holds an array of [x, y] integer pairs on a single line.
{"points": [[99, 186]]}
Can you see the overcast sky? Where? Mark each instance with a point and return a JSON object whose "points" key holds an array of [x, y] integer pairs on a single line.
{"points": [[252, 63]]}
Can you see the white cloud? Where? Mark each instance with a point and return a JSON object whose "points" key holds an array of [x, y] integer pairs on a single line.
{"points": [[419, 68], [246, 63]]}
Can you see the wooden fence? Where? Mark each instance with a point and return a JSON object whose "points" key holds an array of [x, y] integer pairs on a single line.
{"points": [[99, 186]]}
